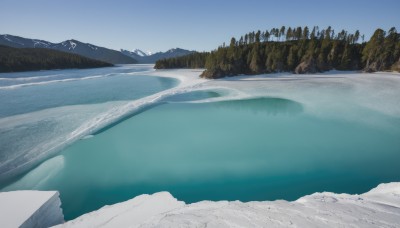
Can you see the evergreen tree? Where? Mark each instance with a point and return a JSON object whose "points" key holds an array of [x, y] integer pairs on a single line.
{"points": [[29, 59], [299, 33], [371, 50], [356, 36], [321, 50], [255, 59], [289, 34], [282, 32], [258, 34], [306, 33]]}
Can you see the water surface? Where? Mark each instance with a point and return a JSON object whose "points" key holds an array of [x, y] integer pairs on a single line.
{"points": [[255, 149], [42, 111]]}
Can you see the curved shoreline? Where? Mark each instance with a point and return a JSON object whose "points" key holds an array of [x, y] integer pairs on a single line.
{"points": [[241, 87], [102, 120], [246, 87]]}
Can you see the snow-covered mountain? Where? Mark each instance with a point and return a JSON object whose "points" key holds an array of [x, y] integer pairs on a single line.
{"points": [[133, 54], [93, 51], [148, 57], [20, 42], [71, 46], [141, 53]]}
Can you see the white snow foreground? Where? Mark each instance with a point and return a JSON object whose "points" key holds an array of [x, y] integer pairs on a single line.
{"points": [[30, 209], [379, 207]]}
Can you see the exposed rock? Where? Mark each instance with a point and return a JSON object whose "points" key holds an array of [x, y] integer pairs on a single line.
{"points": [[212, 74], [381, 65], [396, 66], [373, 67], [307, 66]]}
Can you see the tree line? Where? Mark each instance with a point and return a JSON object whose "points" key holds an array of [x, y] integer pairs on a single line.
{"points": [[28, 59], [298, 33], [298, 50]]}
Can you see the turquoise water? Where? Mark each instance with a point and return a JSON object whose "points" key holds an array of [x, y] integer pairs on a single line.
{"points": [[79, 88], [256, 149], [41, 111]]}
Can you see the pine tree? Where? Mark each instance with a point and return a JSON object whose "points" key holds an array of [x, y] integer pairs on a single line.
{"points": [[292, 58], [282, 32], [289, 34], [371, 50], [257, 36], [356, 36], [255, 59], [256, 54], [306, 33]]}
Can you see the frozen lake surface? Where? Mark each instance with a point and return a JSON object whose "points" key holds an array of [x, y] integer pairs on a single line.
{"points": [[278, 136]]}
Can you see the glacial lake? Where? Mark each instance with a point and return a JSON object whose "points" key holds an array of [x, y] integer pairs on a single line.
{"points": [[264, 148], [41, 112]]}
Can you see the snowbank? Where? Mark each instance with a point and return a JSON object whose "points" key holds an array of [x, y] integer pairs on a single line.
{"points": [[379, 207], [30, 209]]}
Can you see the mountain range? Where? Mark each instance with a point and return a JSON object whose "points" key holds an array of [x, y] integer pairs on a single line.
{"points": [[92, 51], [70, 46], [33, 59], [143, 57]]}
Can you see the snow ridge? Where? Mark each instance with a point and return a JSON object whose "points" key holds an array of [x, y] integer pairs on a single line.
{"points": [[379, 207], [141, 53], [10, 40]]}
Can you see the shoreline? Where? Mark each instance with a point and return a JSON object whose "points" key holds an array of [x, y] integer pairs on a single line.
{"points": [[240, 87]]}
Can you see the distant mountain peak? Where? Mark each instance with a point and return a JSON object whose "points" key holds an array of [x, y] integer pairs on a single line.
{"points": [[70, 44], [10, 38], [148, 57], [141, 53]]}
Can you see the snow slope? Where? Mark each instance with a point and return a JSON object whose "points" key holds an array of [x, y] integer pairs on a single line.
{"points": [[379, 207], [141, 53], [148, 57], [30, 209]]}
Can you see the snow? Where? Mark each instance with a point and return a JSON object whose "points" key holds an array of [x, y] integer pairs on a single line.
{"points": [[141, 53], [332, 94], [8, 39], [379, 207], [40, 43], [73, 45], [30, 209], [92, 47], [5, 37]]}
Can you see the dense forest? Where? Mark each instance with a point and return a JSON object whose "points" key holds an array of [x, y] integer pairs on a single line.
{"points": [[27, 59], [194, 60], [298, 50]]}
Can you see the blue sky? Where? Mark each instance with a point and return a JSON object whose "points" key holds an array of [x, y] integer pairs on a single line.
{"points": [[158, 25]]}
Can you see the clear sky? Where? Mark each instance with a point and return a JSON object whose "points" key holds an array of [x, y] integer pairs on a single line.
{"points": [[158, 25]]}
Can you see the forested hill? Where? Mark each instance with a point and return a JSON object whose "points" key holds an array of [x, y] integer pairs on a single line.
{"points": [[27, 59], [70, 46], [298, 50]]}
